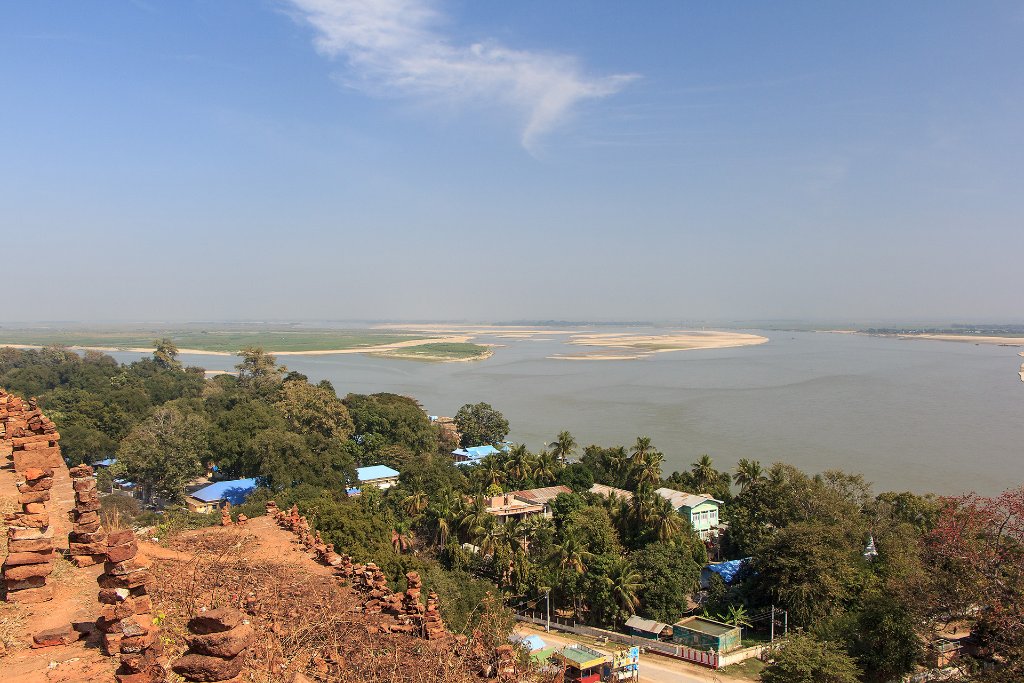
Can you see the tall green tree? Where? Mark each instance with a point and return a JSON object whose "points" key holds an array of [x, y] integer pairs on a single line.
{"points": [[311, 408], [166, 354], [563, 446], [164, 453], [669, 574], [259, 370], [480, 424], [747, 473], [806, 659]]}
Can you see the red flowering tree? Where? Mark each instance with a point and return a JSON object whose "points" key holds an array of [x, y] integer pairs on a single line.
{"points": [[976, 552]]}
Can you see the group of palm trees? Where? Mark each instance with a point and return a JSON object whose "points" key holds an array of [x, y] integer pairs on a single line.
{"points": [[645, 516]]}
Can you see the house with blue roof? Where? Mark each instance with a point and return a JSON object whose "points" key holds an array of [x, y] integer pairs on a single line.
{"points": [[213, 497], [472, 454], [381, 476]]}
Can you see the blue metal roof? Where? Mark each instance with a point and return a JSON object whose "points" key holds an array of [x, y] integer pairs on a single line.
{"points": [[476, 452], [104, 463], [727, 570], [375, 472], [234, 491]]}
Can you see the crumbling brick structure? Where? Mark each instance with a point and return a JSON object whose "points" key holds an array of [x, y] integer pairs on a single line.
{"points": [[217, 647], [87, 542], [27, 435], [30, 540], [409, 614], [126, 619]]}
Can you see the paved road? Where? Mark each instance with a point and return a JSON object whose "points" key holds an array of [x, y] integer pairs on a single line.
{"points": [[653, 668]]}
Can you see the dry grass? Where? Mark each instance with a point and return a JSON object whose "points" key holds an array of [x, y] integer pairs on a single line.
{"points": [[305, 622], [8, 504], [12, 623]]}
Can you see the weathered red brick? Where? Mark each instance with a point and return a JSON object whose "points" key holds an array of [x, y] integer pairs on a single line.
{"points": [[120, 536], [27, 571], [215, 621], [62, 635], [225, 644], [120, 553], [16, 559], [31, 595], [203, 668]]}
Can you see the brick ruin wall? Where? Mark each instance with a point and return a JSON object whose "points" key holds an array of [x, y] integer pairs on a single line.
{"points": [[30, 440]]}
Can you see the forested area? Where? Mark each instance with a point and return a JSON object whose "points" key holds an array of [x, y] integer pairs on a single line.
{"points": [[866, 616]]}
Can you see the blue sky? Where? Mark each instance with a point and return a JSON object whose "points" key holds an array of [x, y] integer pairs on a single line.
{"points": [[325, 159]]}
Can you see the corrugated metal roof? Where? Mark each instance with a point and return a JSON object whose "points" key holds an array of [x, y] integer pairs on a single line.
{"points": [[540, 496], [609, 491], [680, 499], [234, 491], [475, 452], [375, 472], [647, 625], [582, 656]]}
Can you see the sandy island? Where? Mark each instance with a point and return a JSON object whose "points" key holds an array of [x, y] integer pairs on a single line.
{"points": [[645, 345]]}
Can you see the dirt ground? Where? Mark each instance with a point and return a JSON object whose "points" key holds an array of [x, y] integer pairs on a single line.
{"points": [[75, 602]]}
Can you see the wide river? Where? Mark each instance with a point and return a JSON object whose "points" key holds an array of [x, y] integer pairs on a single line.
{"points": [[908, 414]]}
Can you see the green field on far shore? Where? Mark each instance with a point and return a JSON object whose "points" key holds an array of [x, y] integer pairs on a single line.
{"points": [[217, 340]]}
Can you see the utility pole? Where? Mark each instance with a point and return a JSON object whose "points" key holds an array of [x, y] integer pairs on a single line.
{"points": [[772, 639], [547, 600]]}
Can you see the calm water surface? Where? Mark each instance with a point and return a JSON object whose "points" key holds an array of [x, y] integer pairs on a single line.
{"points": [[917, 415]]}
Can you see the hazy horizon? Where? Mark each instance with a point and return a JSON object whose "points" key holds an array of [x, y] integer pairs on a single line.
{"points": [[439, 159]]}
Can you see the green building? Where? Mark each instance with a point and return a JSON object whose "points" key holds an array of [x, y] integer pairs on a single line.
{"points": [[701, 510], [701, 633]]}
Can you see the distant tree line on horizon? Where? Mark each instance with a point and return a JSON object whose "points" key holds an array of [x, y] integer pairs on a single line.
{"points": [[994, 330]]}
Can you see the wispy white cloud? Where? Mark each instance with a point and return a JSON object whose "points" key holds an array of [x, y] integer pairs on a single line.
{"points": [[398, 47]]}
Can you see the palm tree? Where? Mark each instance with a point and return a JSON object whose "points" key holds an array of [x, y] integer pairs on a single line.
{"points": [[415, 503], [491, 472], [563, 446], [646, 463], [401, 538], [546, 468], [520, 464], [444, 512], [665, 520], [642, 447], [649, 470], [474, 516], [617, 464], [624, 584], [748, 472], [570, 555], [704, 473], [493, 537]]}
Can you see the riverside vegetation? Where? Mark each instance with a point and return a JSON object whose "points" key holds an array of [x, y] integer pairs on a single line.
{"points": [[940, 561]]}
